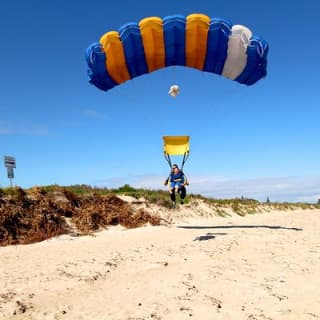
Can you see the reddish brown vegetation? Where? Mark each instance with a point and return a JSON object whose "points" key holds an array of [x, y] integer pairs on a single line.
{"points": [[41, 215]]}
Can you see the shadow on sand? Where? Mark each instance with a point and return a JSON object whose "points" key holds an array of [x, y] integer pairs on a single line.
{"points": [[240, 227], [209, 236]]}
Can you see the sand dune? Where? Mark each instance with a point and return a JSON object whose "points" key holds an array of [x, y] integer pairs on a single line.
{"points": [[262, 266]]}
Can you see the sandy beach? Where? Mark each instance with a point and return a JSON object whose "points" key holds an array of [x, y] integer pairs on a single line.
{"points": [[261, 266]]}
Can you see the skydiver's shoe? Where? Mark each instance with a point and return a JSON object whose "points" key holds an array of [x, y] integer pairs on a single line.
{"points": [[181, 202], [174, 205]]}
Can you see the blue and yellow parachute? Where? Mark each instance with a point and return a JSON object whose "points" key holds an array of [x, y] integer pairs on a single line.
{"points": [[197, 41]]}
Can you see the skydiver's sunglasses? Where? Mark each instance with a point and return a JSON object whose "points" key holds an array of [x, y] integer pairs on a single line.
{"points": [[174, 167]]}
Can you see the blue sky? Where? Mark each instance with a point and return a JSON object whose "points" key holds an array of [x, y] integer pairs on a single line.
{"points": [[254, 141]]}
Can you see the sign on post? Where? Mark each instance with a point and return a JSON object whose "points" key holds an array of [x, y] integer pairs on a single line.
{"points": [[10, 163]]}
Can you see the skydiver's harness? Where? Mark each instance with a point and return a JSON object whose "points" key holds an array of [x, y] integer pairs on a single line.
{"points": [[185, 157]]}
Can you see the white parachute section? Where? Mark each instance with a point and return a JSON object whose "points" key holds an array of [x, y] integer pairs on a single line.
{"points": [[174, 90], [237, 57]]}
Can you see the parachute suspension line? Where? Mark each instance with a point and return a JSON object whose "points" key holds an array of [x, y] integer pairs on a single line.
{"points": [[167, 157], [185, 157], [174, 84]]}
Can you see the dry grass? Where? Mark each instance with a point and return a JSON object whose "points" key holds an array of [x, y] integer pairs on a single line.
{"points": [[23, 220], [39, 215]]}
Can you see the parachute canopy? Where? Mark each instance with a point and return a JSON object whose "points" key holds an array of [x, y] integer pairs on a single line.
{"points": [[176, 145], [197, 41]]}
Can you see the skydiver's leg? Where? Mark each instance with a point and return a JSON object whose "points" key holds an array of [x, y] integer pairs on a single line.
{"points": [[172, 193], [177, 186], [182, 192], [173, 196]]}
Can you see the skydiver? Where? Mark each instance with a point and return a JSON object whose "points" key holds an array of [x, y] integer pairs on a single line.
{"points": [[177, 182]]}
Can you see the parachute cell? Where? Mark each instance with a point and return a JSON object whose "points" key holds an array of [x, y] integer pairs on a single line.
{"points": [[197, 41]]}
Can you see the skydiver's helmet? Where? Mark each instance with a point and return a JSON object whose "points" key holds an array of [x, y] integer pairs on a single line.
{"points": [[174, 90]]}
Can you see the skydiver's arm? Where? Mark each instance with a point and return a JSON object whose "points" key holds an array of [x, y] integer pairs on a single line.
{"points": [[179, 177], [168, 179]]}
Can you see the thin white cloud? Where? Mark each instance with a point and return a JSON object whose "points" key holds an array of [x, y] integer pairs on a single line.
{"points": [[138, 181], [71, 123], [291, 189], [90, 113], [309, 198], [86, 113], [23, 130]]}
